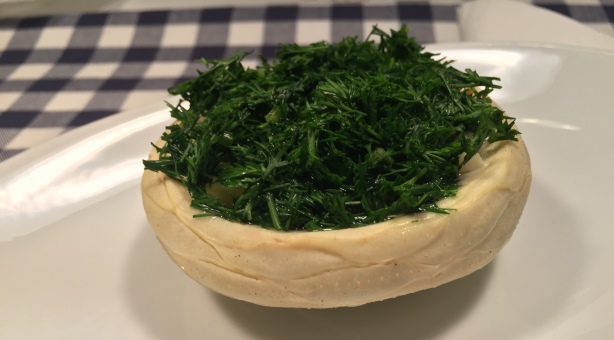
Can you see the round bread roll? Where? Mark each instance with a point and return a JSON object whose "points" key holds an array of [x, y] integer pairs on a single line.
{"points": [[348, 267]]}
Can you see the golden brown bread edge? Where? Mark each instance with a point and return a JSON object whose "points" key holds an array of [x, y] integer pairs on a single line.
{"points": [[348, 267]]}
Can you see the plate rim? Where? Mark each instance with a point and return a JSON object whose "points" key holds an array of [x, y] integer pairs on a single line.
{"points": [[119, 117]]}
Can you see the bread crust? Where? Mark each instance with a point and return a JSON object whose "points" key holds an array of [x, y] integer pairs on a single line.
{"points": [[348, 267]]}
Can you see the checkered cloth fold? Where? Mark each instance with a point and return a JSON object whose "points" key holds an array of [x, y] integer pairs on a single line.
{"points": [[61, 72]]}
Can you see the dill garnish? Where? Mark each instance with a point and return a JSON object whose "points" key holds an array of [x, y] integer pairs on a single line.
{"points": [[329, 136]]}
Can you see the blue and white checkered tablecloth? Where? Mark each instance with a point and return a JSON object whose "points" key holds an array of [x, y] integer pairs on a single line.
{"points": [[61, 72]]}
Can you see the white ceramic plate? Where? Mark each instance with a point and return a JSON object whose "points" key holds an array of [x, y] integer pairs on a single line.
{"points": [[78, 260]]}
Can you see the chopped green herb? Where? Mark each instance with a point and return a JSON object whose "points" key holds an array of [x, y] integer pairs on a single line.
{"points": [[329, 136]]}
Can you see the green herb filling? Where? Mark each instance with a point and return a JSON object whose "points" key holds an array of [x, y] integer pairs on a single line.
{"points": [[329, 136]]}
